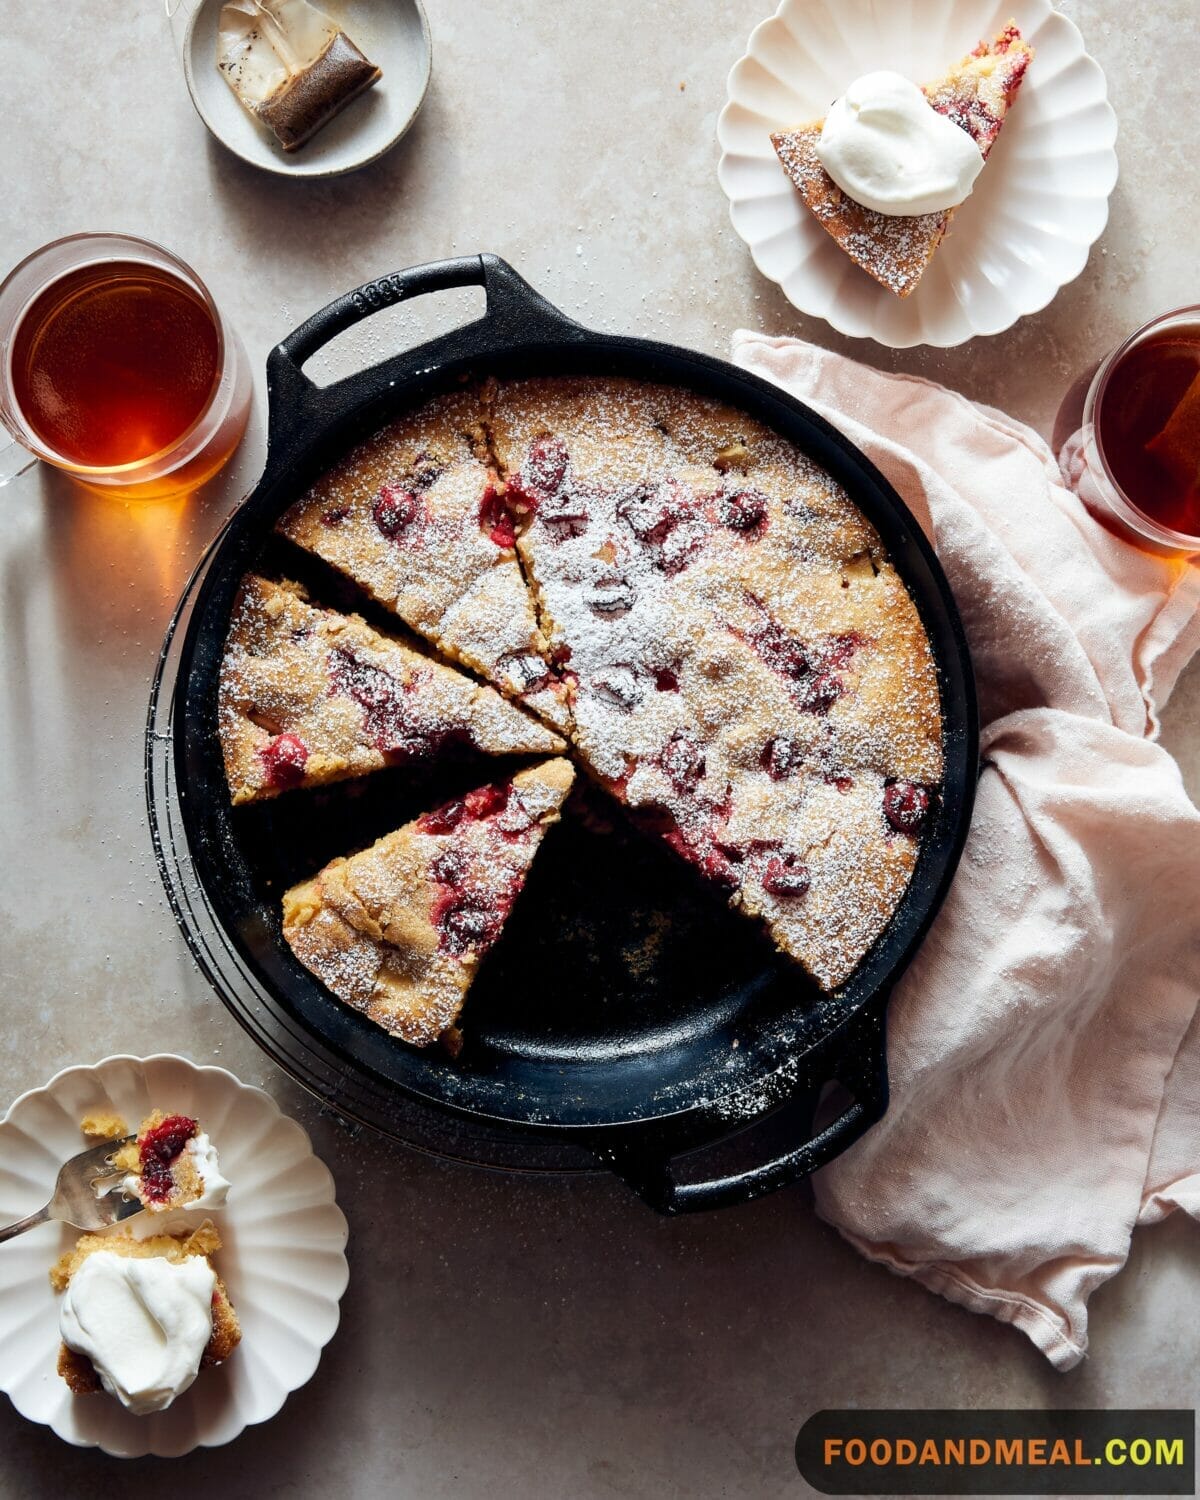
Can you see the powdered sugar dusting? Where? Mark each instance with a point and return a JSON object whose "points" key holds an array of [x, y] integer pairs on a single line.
{"points": [[894, 249], [403, 515], [733, 653], [704, 635]]}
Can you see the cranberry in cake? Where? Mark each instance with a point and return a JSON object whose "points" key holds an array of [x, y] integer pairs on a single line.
{"points": [[414, 516], [399, 930], [310, 696], [891, 239]]}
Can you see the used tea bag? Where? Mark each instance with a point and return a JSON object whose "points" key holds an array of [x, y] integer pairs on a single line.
{"points": [[290, 65]]}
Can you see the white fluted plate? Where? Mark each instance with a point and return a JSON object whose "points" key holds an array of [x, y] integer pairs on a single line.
{"points": [[1038, 206], [283, 1255]]}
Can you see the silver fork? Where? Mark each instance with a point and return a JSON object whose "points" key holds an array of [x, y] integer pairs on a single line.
{"points": [[85, 1194]]}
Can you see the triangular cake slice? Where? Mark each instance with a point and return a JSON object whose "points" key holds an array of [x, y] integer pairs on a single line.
{"points": [[310, 696], [895, 249], [398, 931], [415, 517]]}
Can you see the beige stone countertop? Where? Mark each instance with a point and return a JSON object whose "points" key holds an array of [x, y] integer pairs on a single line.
{"points": [[501, 1336]]}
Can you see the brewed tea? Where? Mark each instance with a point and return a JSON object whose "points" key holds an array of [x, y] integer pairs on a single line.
{"points": [[114, 362], [1148, 426]]}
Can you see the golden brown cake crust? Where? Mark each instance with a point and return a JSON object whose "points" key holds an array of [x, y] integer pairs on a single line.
{"points": [[896, 248], [77, 1369], [309, 696]]}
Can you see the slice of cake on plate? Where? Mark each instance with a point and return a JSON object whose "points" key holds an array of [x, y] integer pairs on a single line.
{"points": [[310, 696], [895, 247], [398, 931], [141, 1317], [415, 516]]}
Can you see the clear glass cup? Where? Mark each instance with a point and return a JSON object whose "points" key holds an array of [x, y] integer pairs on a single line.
{"points": [[1100, 484], [192, 457]]}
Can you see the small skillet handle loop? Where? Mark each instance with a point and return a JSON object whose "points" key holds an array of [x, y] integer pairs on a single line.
{"points": [[861, 1069], [515, 314]]}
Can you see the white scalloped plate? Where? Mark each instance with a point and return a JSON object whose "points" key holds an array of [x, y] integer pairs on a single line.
{"points": [[1038, 206], [282, 1257]]}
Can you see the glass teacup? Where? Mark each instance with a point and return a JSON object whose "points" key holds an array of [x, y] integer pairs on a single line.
{"points": [[117, 367]]}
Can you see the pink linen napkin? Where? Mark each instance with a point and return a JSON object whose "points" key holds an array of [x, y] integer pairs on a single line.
{"points": [[1044, 1047]]}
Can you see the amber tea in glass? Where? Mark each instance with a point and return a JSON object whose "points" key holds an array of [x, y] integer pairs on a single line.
{"points": [[1142, 431], [118, 367]]}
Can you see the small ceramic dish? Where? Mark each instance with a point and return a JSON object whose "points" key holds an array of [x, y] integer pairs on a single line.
{"points": [[394, 34], [283, 1253], [1025, 231]]}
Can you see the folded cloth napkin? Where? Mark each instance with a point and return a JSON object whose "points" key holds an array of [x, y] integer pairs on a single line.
{"points": [[1044, 1046]]}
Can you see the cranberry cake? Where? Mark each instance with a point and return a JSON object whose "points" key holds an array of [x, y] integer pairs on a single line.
{"points": [[712, 623], [398, 931], [747, 671], [976, 94], [414, 516], [310, 696]]}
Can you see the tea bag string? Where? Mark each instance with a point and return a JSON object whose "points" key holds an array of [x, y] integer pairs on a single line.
{"points": [[177, 13], [275, 34]]}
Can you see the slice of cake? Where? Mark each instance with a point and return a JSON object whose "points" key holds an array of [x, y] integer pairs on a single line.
{"points": [[310, 696], [414, 515], [140, 1318], [398, 930], [895, 248]]}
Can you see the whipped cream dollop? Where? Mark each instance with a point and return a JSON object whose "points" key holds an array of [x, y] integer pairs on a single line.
{"points": [[143, 1323], [886, 147], [208, 1168]]}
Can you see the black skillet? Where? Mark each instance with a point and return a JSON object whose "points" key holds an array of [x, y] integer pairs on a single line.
{"points": [[625, 1007]]}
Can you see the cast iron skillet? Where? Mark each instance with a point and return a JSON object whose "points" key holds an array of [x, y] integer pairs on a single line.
{"points": [[572, 1028]]}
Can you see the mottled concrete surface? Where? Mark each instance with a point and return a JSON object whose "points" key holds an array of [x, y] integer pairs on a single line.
{"points": [[501, 1336]]}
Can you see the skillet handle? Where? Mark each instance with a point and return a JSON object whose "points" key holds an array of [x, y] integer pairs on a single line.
{"points": [[861, 1069], [515, 314]]}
